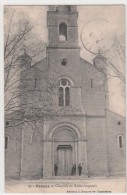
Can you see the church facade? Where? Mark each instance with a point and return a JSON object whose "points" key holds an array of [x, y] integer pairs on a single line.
{"points": [[67, 101]]}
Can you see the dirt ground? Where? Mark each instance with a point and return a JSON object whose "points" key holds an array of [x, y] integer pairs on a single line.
{"points": [[87, 185]]}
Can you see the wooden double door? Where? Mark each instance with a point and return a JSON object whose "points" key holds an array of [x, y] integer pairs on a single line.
{"points": [[64, 160]]}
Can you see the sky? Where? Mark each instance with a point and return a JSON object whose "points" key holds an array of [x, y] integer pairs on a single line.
{"points": [[115, 27], [113, 14]]}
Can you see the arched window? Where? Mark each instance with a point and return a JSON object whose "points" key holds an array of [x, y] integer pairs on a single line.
{"points": [[67, 96], [69, 8], [120, 140], [64, 93], [63, 32], [61, 97], [6, 142]]}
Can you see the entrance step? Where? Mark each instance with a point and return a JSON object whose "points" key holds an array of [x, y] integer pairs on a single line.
{"points": [[68, 177]]}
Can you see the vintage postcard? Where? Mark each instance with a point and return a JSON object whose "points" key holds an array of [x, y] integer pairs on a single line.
{"points": [[64, 89]]}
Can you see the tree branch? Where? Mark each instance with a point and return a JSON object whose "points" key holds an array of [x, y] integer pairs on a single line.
{"points": [[8, 33]]}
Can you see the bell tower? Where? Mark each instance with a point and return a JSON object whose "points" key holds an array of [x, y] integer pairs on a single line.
{"points": [[62, 26], [64, 70], [63, 52]]}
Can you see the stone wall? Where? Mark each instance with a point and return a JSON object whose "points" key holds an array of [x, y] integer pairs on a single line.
{"points": [[32, 151], [75, 124], [93, 89], [115, 125], [13, 152], [96, 146]]}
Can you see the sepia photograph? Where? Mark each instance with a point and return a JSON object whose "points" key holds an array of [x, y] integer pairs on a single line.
{"points": [[64, 93]]}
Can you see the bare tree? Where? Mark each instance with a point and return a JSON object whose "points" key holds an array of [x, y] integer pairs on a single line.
{"points": [[116, 59], [18, 38], [116, 64]]}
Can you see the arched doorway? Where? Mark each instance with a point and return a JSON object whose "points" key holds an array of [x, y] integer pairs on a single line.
{"points": [[64, 150]]}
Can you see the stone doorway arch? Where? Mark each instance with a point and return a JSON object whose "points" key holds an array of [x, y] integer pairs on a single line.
{"points": [[64, 148]]}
